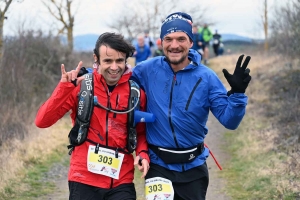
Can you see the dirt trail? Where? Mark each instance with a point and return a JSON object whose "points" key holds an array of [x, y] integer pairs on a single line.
{"points": [[214, 142], [59, 173]]}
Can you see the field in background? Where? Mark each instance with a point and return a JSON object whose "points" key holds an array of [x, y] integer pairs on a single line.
{"points": [[258, 168], [264, 164]]}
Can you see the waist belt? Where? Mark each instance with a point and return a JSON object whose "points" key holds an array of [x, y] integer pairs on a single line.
{"points": [[177, 155]]}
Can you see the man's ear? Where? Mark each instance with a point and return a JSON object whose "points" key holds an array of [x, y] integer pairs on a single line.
{"points": [[95, 58]]}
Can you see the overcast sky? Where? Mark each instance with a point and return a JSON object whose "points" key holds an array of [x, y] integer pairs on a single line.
{"points": [[240, 17]]}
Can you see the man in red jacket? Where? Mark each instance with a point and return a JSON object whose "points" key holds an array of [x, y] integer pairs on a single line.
{"points": [[108, 172]]}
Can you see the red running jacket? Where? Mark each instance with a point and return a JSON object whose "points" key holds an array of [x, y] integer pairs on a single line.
{"points": [[111, 127]]}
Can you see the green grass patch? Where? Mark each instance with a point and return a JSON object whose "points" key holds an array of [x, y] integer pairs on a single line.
{"points": [[250, 176], [31, 185]]}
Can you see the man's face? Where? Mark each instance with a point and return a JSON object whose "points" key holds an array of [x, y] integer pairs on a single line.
{"points": [[141, 41], [112, 64], [195, 29], [176, 47]]}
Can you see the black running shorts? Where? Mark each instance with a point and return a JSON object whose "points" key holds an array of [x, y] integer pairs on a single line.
{"points": [[188, 185], [80, 191]]}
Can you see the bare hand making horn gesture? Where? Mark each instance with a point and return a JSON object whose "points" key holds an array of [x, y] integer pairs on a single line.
{"points": [[73, 76]]}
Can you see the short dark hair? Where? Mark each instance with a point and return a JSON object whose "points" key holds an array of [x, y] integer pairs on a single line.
{"points": [[114, 41]]}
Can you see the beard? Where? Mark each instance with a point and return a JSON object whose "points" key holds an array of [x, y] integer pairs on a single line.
{"points": [[176, 62]]}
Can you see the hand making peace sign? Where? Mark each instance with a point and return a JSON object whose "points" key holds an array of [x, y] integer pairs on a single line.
{"points": [[240, 78]]}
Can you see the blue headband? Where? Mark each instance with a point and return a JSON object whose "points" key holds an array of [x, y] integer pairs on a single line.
{"points": [[177, 22]]}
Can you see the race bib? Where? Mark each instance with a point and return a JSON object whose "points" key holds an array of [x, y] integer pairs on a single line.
{"points": [[104, 162], [159, 188], [216, 41]]}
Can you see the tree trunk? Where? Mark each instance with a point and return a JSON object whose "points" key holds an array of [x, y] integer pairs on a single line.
{"points": [[266, 46], [1, 36], [70, 38]]}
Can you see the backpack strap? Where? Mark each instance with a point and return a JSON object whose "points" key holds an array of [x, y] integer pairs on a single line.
{"points": [[78, 133], [132, 101]]}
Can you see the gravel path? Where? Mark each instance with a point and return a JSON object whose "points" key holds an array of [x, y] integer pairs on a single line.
{"points": [[59, 173]]}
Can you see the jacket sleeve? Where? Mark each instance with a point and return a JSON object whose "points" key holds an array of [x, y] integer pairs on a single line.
{"points": [[142, 145], [59, 103], [228, 110]]}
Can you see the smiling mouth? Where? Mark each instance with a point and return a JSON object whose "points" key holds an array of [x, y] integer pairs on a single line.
{"points": [[174, 51], [113, 73]]}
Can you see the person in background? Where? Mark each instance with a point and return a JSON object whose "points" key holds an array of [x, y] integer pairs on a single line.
{"points": [[109, 172], [142, 51], [206, 35], [221, 49], [216, 42], [159, 51], [181, 92], [198, 40], [148, 39]]}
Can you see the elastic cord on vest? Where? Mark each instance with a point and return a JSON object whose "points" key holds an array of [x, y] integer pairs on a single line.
{"points": [[96, 103]]}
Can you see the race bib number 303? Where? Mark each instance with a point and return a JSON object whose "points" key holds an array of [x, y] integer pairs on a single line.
{"points": [[159, 188], [104, 162]]}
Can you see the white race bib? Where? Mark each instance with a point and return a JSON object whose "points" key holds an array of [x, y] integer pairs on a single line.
{"points": [[104, 162], [159, 188]]}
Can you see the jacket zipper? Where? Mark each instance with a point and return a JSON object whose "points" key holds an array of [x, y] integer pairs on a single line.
{"points": [[170, 110], [192, 93], [107, 113]]}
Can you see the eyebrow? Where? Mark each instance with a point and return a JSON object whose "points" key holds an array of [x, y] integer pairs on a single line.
{"points": [[109, 59], [179, 37]]}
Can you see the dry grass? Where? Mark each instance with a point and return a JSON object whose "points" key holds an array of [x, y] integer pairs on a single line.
{"points": [[256, 141], [15, 156]]}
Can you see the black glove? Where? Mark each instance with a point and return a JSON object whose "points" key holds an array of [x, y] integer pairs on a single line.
{"points": [[240, 78]]}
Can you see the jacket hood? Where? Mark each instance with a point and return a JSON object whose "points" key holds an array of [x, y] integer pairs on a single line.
{"points": [[195, 57]]}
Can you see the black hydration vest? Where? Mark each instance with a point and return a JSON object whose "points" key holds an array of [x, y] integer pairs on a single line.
{"points": [[79, 132]]}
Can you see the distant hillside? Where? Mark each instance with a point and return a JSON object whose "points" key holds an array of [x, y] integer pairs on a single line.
{"points": [[87, 42], [234, 37]]}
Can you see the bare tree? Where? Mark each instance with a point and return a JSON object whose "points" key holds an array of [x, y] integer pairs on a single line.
{"points": [[141, 15], [286, 29], [61, 10], [6, 4], [264, 18]]}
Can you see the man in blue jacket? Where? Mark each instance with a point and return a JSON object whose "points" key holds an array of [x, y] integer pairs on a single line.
{"points": [[143, 51], [180, 93]]}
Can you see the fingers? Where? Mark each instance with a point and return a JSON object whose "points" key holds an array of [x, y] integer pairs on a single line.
{"points": [[239, 62], [79, 80], [71, 76], [247, 79], [145, 168], [247, 71], [245, 64], [79, 66], [226, 73], [136, 161], [64, 75], [63, 70]]}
